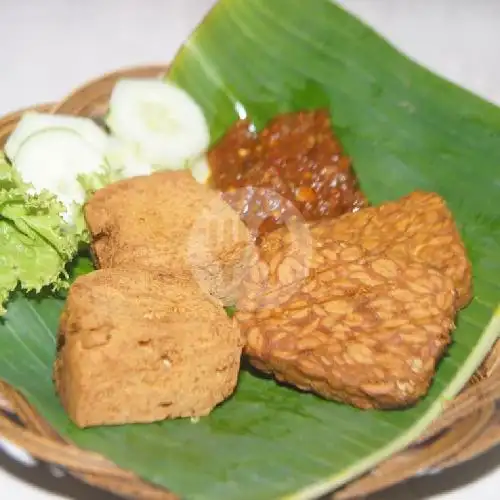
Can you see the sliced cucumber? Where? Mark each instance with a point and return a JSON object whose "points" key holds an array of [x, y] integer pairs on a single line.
{"points": [[52, 159], [33, 122], [124, 158], [161, 120]]}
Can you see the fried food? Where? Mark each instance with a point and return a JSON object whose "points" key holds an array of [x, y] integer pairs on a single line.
{"points": [[169, 222], [137, 346], [296, 164], [419, 225], [364, 314]]}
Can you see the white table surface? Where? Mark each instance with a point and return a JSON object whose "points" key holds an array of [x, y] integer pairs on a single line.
{"points": [[51, 46]]}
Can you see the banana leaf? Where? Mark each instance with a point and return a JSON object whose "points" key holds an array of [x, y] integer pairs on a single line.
{"points": [[405, 128]]}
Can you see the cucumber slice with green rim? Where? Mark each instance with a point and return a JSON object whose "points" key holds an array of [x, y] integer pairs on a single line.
{"points": [[33, 122], [124, 158], [161, 120], [53, 158]]}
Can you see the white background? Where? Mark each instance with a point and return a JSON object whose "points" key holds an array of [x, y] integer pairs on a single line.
{"points": [[51, 46]]}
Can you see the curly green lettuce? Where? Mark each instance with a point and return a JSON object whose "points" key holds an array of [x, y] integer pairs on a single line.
{"points": [[39, 236], [35, 241]]}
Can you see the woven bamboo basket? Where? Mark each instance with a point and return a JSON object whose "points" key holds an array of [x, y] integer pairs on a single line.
{"points": [[469, 426]]}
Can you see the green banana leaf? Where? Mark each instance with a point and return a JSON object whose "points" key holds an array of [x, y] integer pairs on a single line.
{"points": [[405, 128]]}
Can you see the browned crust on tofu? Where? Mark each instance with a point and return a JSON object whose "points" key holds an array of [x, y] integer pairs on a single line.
{"points": [[369, 320], [169, 222], [138, 346]]}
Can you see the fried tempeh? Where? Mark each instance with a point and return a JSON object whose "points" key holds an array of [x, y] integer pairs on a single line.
{"points": [[419, 225], [363, 315]]}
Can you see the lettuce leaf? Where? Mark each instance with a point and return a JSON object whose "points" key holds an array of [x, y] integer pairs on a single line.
{"points": [[35, 241]]}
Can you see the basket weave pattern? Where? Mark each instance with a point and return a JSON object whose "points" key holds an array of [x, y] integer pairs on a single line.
{"points": [[469, 426]]}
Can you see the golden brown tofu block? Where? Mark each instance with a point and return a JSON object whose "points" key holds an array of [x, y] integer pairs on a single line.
{"points": [[138, 346], [169, 222], [364, 313]]}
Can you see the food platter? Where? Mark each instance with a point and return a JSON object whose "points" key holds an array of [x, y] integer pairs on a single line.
{"points": [[470, 419], [468, 398]]}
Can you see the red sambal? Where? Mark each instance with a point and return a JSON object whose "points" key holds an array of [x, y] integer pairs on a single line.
{"points": [[295, 163]]}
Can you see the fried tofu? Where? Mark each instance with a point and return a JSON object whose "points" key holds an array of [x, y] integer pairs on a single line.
{"points": [[362, 310], [140, 346], [168, 222]]}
